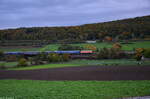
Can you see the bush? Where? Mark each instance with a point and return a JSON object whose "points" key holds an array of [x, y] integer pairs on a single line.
{"points": [[138, 56], [39, 59], [65, 57], [111, 53], [90, 47], [139, 53], [11, 58], [108, 39], [2, 66], [1, 55], [54, 57], [147, 53], [117, 46], [102, 54], [23, 62]]}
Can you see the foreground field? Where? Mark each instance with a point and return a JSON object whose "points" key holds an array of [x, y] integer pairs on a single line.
{"points": [[53, 47], [28, 89]]}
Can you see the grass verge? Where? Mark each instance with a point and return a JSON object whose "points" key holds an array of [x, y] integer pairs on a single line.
{"points": [[108, 62]]}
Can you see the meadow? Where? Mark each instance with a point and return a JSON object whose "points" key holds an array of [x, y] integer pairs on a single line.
{"points": [[28, 89], [53, 47]]}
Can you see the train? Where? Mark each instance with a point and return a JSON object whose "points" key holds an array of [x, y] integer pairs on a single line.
{"points": [[83, 54], [48, 52]]}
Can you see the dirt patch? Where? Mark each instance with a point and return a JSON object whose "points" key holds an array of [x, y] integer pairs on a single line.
{"points": [[102, 73]]}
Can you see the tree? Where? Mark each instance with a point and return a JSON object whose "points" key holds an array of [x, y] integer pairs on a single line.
{"points": [[1, 55], [90, 47], [147, 53], [108, 38], [139, 53], [117, 46], [22, 62], [65, 57], [54, 57], [111, 53]]}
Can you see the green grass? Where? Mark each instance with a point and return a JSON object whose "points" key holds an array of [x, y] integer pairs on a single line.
{"points": [[44, 66], [74, 63], [8, 64], [50, 47], [143, 44], [54, 47], [128, 47], [19, 49], [28, 89]]}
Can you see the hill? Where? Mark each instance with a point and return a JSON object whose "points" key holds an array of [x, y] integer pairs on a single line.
{"points": [[132, 28]]}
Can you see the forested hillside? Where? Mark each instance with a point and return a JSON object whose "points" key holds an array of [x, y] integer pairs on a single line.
{"points": [[121, 29]]}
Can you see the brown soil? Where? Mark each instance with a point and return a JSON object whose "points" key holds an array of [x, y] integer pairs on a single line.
{"points": [[81, 73]]}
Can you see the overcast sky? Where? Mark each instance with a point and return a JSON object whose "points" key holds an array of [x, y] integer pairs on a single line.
{"points": [[34, 13]]}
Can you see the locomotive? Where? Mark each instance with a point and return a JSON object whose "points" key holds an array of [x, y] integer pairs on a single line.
{"points": [[83, 54]]}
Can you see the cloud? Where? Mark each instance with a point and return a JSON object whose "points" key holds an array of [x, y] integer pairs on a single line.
{"points": [[30, 13]]}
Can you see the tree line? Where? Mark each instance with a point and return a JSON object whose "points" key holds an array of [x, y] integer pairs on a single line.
{"points": [[120, 30]]}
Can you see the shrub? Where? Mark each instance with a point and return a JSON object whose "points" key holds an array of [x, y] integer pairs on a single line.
{"points": [[2, 66], [138, 56], [108, 38], [102, 54], [39, 59], [90, 47], [139, 50], [36, 60], [54, 57], [65, 57], [22, 62], [139, 53], [147, 53], [1, 55], [117, 46], [111, 53], [11, 58]]}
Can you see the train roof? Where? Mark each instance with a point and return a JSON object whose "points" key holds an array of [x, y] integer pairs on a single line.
{"points": [[38, 52]]}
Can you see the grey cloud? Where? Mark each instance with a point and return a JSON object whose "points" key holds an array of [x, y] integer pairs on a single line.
{"points": [[24, 13]]}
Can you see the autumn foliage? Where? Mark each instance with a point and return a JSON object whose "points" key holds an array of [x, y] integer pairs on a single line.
{"points": [[90, 47], [139, 53], [108, 38], [117, 46]]}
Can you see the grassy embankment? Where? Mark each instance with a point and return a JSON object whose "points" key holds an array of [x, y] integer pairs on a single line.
{"points": [[110, 62]]}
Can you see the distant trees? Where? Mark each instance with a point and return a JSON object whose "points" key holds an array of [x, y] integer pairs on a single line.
{"points": [[122, 29], [111, 53], [1, 55], [54, 57]]}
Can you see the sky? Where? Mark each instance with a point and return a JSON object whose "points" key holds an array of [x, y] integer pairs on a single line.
{"points": [[41, 13]]}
